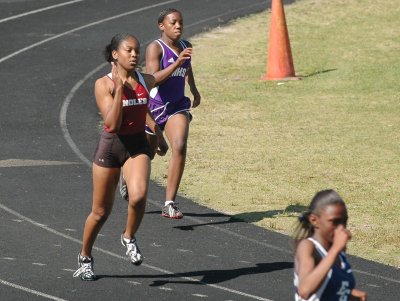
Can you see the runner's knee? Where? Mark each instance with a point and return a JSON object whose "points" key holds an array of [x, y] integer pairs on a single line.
{"points": [[137, 201], [179, 146], [100, 215]]}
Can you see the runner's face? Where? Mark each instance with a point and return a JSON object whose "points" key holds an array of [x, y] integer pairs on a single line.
{"points": [[172, 26], [329, 219], [127, 53]]}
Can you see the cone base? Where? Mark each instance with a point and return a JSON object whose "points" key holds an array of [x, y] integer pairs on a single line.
{"points": [[287, 78]]}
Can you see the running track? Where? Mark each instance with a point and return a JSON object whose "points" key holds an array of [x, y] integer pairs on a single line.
{"points": [[50, 55]]}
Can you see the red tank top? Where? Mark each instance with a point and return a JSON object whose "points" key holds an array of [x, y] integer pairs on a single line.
{"points": [[134, 109]]}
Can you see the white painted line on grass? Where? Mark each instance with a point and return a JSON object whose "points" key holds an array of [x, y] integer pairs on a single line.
{"points": [[31, 291], [39, 10]]}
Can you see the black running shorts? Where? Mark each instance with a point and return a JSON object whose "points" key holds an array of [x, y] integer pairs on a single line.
{"points": [[113, 150]]}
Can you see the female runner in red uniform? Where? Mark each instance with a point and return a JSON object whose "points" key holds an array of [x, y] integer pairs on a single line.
{"points": [[122, 98]]}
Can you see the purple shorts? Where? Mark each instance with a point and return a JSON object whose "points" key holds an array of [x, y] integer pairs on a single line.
{"points": [[163, 111]]}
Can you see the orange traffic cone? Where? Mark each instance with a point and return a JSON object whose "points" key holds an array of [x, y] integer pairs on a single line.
{"points": [[280, 61]]}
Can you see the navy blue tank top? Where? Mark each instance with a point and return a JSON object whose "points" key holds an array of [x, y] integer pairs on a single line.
{"points": [[338, 283]]}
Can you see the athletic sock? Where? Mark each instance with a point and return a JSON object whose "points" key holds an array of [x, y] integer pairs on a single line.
{"points": [[168, 202]]}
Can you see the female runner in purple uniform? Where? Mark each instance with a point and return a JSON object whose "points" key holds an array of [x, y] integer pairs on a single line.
{"points": [[168, 59]]}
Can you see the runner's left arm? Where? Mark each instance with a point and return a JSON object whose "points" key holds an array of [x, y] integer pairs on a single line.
{"points": [[193, 88], [162, 146]]}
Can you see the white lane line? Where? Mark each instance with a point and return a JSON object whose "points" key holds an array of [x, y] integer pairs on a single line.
{"points": [[28, 163], [200, 295], [69, 270], [83, 27], [184, 250], [31, 291], [160, 270], [70, 230], [225, 14], [39, 10], [63, 115]]}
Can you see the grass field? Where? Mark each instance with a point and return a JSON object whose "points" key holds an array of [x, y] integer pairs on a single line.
{"points": [[260, 150]]}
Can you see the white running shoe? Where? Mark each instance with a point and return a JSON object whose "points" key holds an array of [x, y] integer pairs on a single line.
{"points": [[85, 271], [171, 211], [132, 250], [123, 189]]}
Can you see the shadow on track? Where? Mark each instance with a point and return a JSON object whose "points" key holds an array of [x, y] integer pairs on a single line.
{"points": [[210, 276], [247, 217]]}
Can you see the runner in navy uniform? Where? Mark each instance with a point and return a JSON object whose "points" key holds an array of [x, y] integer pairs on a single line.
{"points": [[322, 272], [122, 98], [169, 60]]}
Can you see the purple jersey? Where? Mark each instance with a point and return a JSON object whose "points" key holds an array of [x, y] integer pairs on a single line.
{"points": [[173, 89]]}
